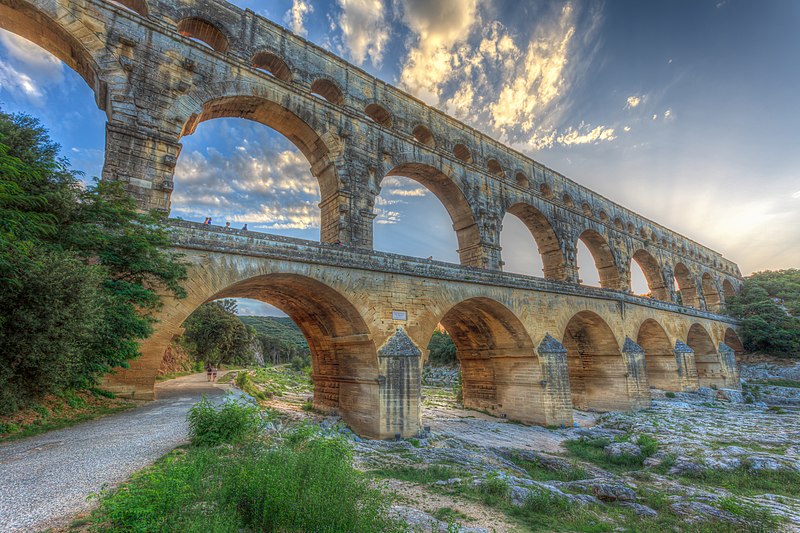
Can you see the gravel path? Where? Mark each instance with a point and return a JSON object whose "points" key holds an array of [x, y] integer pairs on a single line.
{"points": [[44, 480]]}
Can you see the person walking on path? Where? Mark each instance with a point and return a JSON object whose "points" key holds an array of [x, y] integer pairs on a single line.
{"points": [[209, 370], [213, 373]]}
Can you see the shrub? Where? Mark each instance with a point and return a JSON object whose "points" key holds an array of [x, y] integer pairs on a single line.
{"points": [[230, 421], [494, 489], [305, 483], [299, 363], [669, 394]]}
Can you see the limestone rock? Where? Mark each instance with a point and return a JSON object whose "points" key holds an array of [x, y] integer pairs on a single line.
{"points": [[698, 511], [732, 395], [639, 509], [684, 466], [763, 462], [707, 393], [620, 449], [421, 521]]}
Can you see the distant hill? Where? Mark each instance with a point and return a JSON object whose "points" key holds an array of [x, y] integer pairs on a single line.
{"points": [[279, 336]]}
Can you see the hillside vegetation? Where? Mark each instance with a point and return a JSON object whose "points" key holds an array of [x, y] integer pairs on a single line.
{"points": [[769, 308]]}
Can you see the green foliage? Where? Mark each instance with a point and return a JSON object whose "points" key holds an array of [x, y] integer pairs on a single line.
{"points": [[229, 421], [280, 338], [768, 306], [494, 489], [299, 363], [442, 350], [669, 394], [592, 450], [80, 270], [750, 482], [423, 475], [306, 483], [537, 471], [215, 335]]}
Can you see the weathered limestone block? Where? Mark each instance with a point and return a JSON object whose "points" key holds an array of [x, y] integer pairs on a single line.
{"points": [[556, 396], [636, 375], [399, 361], [687, 371]]}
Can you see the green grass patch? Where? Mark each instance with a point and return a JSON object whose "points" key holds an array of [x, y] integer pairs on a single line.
{"points": [[423, 475], [749, 482], [300, 482], [537, 471], [592, 450], [57, 412], [778, 382], [450, 515]]}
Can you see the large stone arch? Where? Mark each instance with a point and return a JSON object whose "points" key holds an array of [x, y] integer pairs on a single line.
{"points": [[732, 339], [282, 119], [711, 294], [344, 355], [707, 360], [604, 259], [652, 273], [56, 30], [659, 356], [686, 285], [547, 241], [445, 188], [500, 370], [597, 370]]}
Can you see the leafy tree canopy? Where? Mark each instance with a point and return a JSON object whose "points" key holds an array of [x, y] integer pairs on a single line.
{"points": [[214, 334], [768, 306], [81, 270]]}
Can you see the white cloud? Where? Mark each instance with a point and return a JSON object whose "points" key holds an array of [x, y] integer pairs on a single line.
{"points": [[261, 182], [655, 116], [28, 69], [295, 16], [364, 29], [626, 129], [633, 101], [796, 195], [668, 114], [585, 135], [437, 28], [20, 84]]}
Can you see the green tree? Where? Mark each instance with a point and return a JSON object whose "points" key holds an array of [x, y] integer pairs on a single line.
{"points": [[214, 334], [442, 350], [767, 306], [80, 270]]}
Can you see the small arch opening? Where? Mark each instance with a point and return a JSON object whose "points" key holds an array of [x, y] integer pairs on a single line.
{"points": [[327, 90], [379, 114], [424, 136], [204, 32], [137, 6], [603, 216], [631, 228], [546, 190], [522, 180], [494, 167], [272, 64], [587, 209], [567, 199], [618, 224], [463, 153]]}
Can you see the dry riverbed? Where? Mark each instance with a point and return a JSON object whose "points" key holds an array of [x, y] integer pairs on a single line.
{"points": [[692, 462]]}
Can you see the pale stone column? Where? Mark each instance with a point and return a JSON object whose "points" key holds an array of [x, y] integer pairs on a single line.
{"points": [[144, 161], [687, 369], [727, 360], [556, 395], [400, 385], [636, 375]]}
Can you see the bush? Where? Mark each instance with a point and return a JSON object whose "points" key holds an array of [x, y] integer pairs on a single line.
{"points": [[299, 363], [230, 421], [305, 483], [669, 394], [494, 489]]}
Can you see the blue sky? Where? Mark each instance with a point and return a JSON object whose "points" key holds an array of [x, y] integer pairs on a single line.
{"points": [[685, 111]]}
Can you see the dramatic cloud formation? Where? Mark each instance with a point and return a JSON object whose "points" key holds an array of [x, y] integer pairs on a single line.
{"points": [[364, 29], [295, 16], [437, 30], [264, 181]]}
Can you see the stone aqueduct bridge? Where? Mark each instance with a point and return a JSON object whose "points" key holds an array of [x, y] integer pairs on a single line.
{"points": [[530, 348]]}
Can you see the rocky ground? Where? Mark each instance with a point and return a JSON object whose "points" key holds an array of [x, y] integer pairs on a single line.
{"points": [[707, 461]]}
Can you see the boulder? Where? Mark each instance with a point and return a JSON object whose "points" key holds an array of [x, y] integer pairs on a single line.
{"points": [[763, 462], [619, 449], [732, 395], [707, 393], [698, 511], [421, 521], [639, 509], [686, 466]]}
